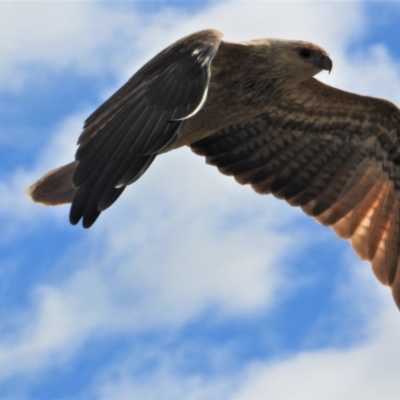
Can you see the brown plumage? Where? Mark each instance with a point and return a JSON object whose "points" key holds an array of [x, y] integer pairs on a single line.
{"points": [[254, 110]]}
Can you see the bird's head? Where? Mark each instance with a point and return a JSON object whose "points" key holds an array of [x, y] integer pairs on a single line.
{"points": [[297, 59], [306, 58]]}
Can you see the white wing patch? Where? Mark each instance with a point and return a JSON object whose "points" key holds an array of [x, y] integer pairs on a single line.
{"points": [[197, 109]]}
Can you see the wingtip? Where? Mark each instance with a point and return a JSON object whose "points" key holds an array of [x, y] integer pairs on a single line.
{"points": [[90, 218], [79, 213]]}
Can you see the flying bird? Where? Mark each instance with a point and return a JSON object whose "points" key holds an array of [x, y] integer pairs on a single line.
{"points": [[254, 110]]}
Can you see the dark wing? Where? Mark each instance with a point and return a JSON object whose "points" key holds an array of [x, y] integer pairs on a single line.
{"points": [[334, 154], [123, 136]]}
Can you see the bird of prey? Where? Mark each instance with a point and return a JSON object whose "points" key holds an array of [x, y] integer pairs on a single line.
{"points": [[254, 110]]}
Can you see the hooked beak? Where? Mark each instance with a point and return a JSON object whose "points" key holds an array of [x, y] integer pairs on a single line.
{"points": [[325, 63]]}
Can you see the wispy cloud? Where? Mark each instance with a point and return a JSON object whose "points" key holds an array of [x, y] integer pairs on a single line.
{"points": [[81, 37], [367, 371]]}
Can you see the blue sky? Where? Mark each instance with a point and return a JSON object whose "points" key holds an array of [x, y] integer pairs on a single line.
{"points": [[190, 286]]}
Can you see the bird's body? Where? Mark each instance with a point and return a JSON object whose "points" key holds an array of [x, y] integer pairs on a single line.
{"points": [[254, 110]]}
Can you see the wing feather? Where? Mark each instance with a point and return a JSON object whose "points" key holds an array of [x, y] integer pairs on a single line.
{"points": [[380, 219], [312, 178], [348, 198], [335, 156], [122, 137]]}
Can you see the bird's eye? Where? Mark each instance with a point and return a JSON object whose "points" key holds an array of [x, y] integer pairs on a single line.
{"points": [[305, 53]]}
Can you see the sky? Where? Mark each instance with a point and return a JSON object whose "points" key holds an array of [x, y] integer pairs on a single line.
{"points": [[190, 286]]}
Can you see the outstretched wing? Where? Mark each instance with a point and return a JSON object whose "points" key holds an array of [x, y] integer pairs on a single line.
{"points": [[334, 154], [123, 136]]}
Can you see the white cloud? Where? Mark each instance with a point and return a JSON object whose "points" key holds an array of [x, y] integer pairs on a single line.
{"points": [[376, 63], [84, 37], [367, 370], [15, 205]]}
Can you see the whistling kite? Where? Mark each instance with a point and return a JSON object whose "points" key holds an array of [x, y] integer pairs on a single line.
{"points": [[254, 110]]}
